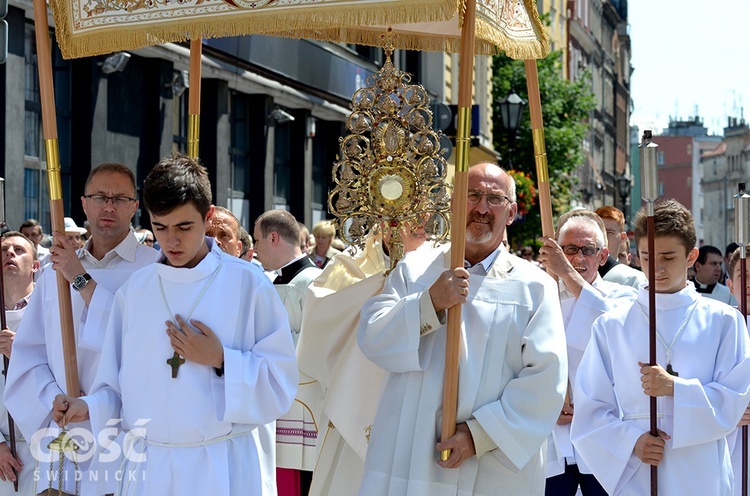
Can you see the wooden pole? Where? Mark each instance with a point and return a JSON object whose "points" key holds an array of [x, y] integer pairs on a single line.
{"points": [[650, 194], [458, 219], [652, 333], [540, 151], [540, 159], [194, 103], [57, 212]]}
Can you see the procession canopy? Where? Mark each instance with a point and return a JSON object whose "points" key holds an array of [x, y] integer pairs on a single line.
{"points": [[511, 27], [94, 27]]}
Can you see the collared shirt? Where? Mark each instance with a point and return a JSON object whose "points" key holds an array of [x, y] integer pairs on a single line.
{"points": [[704, 288], [483, 267], [21, 304], [273, 274], [125, 250]]}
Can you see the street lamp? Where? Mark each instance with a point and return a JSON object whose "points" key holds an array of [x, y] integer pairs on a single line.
{"points": [[623, 187], [511, 109]]}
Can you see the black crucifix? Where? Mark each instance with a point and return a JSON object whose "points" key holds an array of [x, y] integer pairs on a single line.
{"points": [[175, 363]]}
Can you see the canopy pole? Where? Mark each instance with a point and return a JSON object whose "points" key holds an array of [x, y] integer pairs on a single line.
{"points": [[540, 151], [194, 103], [57, 209], [458, 219]]}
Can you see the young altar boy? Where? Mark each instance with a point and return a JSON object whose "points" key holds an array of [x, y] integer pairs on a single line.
{"points": [[197, 353], [700, 379]]}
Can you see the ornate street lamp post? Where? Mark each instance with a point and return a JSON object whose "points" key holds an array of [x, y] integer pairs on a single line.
{"points": [[511, 110], [623, 187]]}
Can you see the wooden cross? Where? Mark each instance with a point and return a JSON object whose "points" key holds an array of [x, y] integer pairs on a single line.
{"points": [[175, 363]]}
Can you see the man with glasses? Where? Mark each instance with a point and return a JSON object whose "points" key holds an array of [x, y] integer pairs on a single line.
{"points": [[511, 372], [95, 273], [574, 259]]}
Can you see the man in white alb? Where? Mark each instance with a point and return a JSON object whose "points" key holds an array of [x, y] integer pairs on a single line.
{"points": [[95, 272], [512, 365], [20, 264], [574, 259], [189, 379]]}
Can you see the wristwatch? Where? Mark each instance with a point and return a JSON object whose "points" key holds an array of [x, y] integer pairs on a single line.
{"points": [[81, 281]]}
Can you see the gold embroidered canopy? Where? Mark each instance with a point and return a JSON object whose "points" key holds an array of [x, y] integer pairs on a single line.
{"points": [[93, 27]]}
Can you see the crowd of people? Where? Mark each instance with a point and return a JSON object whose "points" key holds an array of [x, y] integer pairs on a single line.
{"points": [[214, 359]]}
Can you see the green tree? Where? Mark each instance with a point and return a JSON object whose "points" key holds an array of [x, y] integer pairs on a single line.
{"points": [[566, 106]]}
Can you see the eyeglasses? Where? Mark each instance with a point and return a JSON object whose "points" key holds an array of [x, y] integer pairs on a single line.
{"points": [[586, 250], [494, 200], [117, 201]]}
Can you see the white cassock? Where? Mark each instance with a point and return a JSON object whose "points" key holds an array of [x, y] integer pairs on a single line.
{"points": [[194, 431], [297, 429], [711, 393], [37, 369], [327, 351], [26, 476], [579, 314], [512, 378]]}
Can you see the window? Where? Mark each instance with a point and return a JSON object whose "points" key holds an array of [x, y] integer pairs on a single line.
{"points": [[659, 158], [282, 164], [35, 184], [35, 197], [179, 122], [33, 106], [240, 157]]}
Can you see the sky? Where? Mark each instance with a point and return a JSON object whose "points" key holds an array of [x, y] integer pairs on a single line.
{"points": [[689, 57]]}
